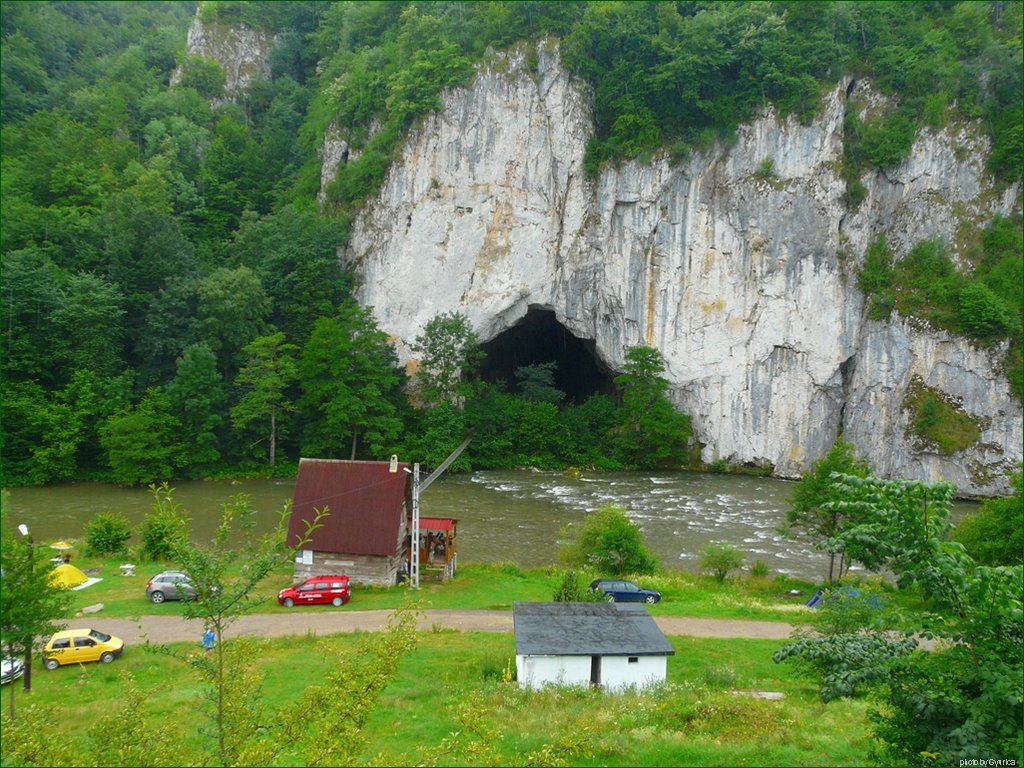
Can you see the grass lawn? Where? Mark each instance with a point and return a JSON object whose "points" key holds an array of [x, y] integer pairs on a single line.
{"points": [[493, 586], [696, 719]]}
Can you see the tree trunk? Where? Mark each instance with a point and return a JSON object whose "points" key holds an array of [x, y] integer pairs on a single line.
{"points": [[354, 435], [273, 438]]}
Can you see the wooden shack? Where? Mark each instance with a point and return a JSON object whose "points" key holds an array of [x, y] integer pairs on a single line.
{"points": [[439, 547], [364, 535]]}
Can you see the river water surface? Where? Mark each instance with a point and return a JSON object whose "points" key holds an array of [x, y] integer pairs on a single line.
{"points": [[516, 516]]}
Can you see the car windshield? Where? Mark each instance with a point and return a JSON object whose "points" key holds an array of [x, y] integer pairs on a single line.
{"points": [[98, 635]]}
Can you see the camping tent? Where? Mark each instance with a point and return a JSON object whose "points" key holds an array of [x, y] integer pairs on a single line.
{"points": [[67, 576]]}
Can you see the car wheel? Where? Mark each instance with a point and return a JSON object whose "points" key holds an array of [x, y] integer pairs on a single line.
{"points": [[157, 597], [336, 602], [650, 599], [611, 598], [288, 602], [51, 663], [107, 657]]}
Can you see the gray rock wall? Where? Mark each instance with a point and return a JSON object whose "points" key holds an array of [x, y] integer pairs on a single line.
{"points": [[743, 282]]}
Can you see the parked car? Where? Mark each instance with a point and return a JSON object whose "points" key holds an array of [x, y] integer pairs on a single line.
{"points": [[11, 669], [170, 585], [617, 590], [316, 590], [75, 646]]}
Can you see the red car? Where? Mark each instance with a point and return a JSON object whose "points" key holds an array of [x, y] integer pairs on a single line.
{"points": [[316, 590]]}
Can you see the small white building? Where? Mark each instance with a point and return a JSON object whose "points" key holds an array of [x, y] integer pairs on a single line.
{"points": [[612, 646]]}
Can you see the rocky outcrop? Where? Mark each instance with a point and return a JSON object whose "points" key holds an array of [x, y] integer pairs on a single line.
{"points": [[736, 264], [241, 51]]}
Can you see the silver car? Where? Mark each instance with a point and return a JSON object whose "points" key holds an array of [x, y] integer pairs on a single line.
{"points": [[11, 669], [170, 585]]}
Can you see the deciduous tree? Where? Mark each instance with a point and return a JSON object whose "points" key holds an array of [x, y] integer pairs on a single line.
{"points": [[268, 372], [31, 606], [349, 374], [610, 543], [449, 354], [807, 516], [961, 700], [654, 433]]}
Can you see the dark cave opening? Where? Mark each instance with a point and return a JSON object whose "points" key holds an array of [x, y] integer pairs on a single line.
{"points": [[540, 338]]}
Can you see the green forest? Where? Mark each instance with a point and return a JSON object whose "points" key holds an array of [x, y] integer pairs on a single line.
{"points": [[172, 300]]}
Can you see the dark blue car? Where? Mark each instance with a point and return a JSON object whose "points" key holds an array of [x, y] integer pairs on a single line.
{"points": [[619, 591]]}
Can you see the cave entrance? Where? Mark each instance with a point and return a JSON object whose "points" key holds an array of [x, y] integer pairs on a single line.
{"points": [[540, 338]]}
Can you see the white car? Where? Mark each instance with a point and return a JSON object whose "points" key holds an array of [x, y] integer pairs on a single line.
{"points": [[11, 669]]}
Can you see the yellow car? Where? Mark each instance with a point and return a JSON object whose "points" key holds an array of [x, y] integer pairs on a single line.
{"points": [[75, 646]]}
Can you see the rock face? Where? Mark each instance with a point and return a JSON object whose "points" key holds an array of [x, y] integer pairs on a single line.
{"points": [[739, 271], [242, 52]]}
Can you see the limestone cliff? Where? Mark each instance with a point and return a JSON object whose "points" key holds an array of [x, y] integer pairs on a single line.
{"points": [[241, 51], [741, 277]]}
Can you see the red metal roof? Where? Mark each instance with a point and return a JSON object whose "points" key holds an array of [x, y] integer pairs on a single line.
{"points": [[435, 523], [367, 503]]}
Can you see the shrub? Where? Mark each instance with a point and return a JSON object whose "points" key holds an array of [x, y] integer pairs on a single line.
{"points": [[572, 590], [162, 528], [759, 570], [933, 419], [718, 558], [981, 312], [994, 535], [766, 170], [611, 544], [107, 533]]}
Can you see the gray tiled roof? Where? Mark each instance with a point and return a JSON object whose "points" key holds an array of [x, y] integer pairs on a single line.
{"points": [[587, 629]]}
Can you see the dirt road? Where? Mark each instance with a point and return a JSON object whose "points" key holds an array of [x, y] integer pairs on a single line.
{"points": [[171, 629]]}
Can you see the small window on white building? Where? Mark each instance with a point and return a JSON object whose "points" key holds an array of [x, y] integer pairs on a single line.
{"points": [[305, 557], [634, 659]]}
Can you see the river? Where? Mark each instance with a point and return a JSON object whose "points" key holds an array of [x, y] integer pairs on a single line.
{"points": [[515, 516]]}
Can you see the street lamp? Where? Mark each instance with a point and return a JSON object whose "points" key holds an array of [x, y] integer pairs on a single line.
{"points": [[23, 530]]}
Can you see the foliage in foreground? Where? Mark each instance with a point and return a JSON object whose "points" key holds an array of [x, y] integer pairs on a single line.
{"points": [[959, 701]]}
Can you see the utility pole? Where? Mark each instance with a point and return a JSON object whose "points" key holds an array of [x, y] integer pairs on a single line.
{"points": [[417, 488], [27, 682]]}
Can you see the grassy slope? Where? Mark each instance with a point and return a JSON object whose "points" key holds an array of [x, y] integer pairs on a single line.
{"points": [[696, 720]]}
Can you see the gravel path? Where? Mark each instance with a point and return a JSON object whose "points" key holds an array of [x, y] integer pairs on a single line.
{"points": [[171, 629]]}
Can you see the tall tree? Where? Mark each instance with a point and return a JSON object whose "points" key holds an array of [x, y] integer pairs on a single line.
{"points": [[197, 398], [349, 374], [144, 442], [537, 383], [809, 515], [88, 324], [449, 355], [268, 372], [654, 433], [31, 606], [225, 576], [233, 309], [144, 251]]}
